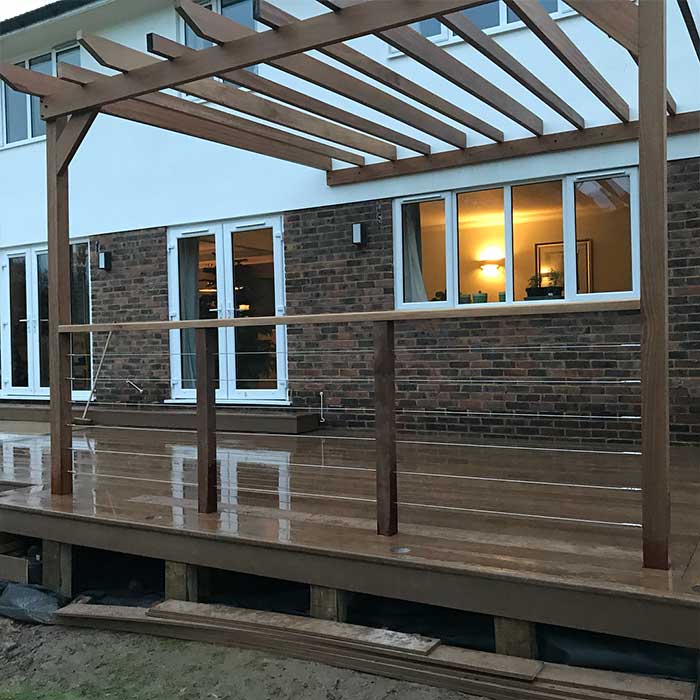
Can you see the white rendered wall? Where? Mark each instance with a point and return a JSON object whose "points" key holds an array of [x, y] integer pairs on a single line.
{"points": [[127, 176]]}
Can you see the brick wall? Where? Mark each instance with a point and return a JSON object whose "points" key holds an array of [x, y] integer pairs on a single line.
{"points": [[136, 289], [537, 377]]}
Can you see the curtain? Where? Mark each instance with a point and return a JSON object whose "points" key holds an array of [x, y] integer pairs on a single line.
{"points": [[189, 307], [413, 284]]}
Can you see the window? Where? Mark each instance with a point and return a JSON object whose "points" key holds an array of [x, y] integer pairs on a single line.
{"points": [[489, 15], [21, 113], [572, 238], [240, 11]]}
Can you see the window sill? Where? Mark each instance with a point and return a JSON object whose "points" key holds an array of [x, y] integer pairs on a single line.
{"points": [[489, 31], [19, 144], [231, 402], [520, 308]]}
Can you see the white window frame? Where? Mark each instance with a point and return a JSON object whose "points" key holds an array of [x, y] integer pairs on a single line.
{"points": [[221, 231], [569, 240], [448, 37], [35, 390], [24, 62]]}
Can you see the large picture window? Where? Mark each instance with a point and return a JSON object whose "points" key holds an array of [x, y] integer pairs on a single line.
{"points": [[572, 238]]}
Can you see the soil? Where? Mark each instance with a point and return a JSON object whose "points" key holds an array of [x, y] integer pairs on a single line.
{"points": [[61, 663]]}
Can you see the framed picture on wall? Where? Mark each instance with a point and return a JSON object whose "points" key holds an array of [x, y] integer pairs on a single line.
{"points": [[550, 257]]}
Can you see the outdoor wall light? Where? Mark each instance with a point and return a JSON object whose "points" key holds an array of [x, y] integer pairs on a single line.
{"points": [[358, 234], [104, 260]]}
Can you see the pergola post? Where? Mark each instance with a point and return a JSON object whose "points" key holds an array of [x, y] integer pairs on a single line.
{"points": [[59, 311], [656, 504]]}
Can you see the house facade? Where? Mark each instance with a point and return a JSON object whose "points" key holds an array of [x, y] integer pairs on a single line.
{"points": [[170, 227]]}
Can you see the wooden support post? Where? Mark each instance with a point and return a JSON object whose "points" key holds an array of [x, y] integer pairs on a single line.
{"points": [[185, 582], [57, 567], [515, 637], [59, 312], [206, 420], [329, 604], [385, 428], [656, 502]]}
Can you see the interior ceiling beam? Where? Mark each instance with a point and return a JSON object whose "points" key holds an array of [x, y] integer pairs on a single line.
{"points": [[275, 17], [482, 42], [83, 76], [533, 14], [424, 51], [314, 33], [167, 48], [123, 58], [35, 83], [619, 19], [686, 122], [221, 30], [690, 24]]}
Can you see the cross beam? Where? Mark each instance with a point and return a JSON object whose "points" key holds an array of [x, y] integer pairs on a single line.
{"points": [[313, 33]]}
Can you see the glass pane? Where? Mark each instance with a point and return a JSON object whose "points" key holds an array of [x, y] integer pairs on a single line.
{"points": [[484, 16], [550, 5], [240, 11], [428, 27], [538, 241], [424, 264], [603, 235], [254, 295], [71, 56], [42, 64], [18, 321], [194, 41], [80, 313], [15, 114], [481, 222], [42, 283], [198, 297]]}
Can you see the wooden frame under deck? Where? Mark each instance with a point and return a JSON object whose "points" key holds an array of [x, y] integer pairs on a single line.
{"points": [[134, 94]]}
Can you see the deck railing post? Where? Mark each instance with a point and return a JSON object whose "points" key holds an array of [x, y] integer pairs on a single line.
{"points": [[206, 420], [59, 313], [656, 502], [385, 428]]}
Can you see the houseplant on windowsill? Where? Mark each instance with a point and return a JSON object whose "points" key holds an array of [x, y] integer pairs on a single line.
{"points": [[552, 291]]}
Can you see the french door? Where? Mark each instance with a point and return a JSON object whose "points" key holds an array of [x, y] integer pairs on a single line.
{"points": [[229, 270], [24, 330]]}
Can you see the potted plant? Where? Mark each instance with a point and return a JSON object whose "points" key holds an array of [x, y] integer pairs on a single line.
{"points": [[552, 290], [480, 297]]}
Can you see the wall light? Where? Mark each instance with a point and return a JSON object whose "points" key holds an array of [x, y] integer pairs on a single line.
{"points": [[491, 268]]}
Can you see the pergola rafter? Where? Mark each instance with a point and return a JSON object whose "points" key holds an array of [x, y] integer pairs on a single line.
{"points": [[71, 103]]}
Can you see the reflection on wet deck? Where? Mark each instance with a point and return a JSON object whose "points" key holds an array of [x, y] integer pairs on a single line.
{"points": [[567, 515]]}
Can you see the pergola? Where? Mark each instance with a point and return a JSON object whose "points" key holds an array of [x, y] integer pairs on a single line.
{"points": [[71, 102]]}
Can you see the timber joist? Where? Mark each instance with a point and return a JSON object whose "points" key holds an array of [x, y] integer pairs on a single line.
{"points": [[332, 135]]}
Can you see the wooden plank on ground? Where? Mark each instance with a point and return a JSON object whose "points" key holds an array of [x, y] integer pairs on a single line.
{"points": [[15, 569], [224, 615]]}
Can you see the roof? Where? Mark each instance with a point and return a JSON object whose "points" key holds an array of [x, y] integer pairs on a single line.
{"points": [[41, 14]]}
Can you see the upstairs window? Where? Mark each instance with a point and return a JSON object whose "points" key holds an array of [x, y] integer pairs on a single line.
{"points": [[489, 15], [20, 113], [574, 238]]}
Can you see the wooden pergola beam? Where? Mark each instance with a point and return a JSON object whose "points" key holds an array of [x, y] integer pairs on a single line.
{"points": [[123, 58], [221, 30], [619, 19], [415, 45], [83, 76], [265, 47], [71, 137], [687, 122], [690, 24], [463, 27], [653, 238], [553, 36], [167, 48], [275, 17], [145, 112]]}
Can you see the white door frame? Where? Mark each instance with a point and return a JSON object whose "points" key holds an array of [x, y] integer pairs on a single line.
{"points": [[222, 230]]}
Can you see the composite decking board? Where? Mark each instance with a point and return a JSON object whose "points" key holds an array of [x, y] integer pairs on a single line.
{"points": [[447, 527]]}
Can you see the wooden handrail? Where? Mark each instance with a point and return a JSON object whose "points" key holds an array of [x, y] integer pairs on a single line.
{"points": [[519, 309]]}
